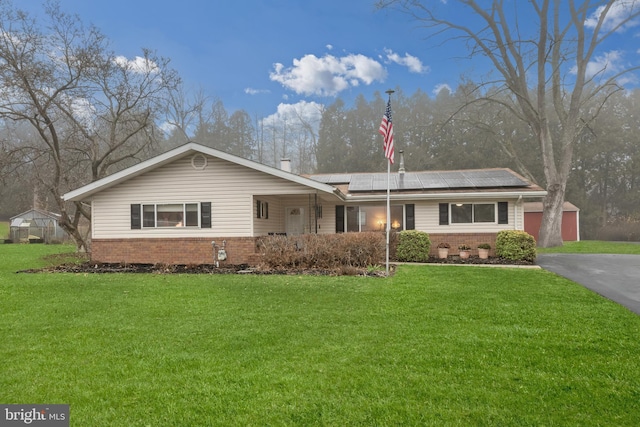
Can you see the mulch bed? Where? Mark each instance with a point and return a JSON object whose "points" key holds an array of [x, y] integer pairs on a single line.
{"points": [[92, 267]]}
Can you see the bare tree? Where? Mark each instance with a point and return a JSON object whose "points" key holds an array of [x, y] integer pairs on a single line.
{"points": [[89, 110], [183, 111], [550, 74]]}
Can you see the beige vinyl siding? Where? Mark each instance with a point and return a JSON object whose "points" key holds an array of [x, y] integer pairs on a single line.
{"points": [[275, 222], [327, 224], [428, 219], [229, 188]]}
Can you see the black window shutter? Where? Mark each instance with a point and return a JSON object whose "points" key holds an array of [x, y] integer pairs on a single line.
{"points": [[444, 213], [503, 212], [258, 208], [136, 222], [266, 210], [205, 214], [410, 223], [339, 218]]}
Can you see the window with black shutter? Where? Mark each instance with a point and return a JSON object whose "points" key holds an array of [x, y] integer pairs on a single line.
{"points": [[205, 214], [410, 221], [503, 213], [444, 213], [339, 218], [136, 223]]}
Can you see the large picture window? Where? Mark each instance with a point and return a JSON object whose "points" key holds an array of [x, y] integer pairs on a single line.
{"points": [[170, 215], [373, 218], [472, 213], [166, 215]]}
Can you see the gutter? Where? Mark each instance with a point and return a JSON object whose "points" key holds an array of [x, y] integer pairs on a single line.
{"points": [[475, 195]]}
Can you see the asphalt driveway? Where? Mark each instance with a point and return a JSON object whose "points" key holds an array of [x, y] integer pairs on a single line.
{"points": [[616, 277]]}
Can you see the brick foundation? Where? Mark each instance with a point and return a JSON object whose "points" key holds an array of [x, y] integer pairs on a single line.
{"points": [[240, 250]]}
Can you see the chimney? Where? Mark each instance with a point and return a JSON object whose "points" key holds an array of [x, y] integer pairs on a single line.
{"points": [[401, 168], [285, 165]]}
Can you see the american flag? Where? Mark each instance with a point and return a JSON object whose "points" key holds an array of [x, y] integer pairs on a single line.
{"points": [[386, 130]]}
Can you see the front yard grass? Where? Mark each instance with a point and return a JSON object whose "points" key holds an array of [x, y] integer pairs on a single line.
{"points": [[594, 247], [429, 346]]}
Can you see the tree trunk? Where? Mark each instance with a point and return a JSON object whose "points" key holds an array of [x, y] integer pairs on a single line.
{"points": [[551, 225]]}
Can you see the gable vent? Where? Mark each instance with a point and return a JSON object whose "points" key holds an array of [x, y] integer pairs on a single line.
{"points": [[199, 161]]}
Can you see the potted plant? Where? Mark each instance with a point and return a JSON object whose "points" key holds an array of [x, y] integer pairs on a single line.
{"points": [[465, 251], [483, 250], [443, 250]]}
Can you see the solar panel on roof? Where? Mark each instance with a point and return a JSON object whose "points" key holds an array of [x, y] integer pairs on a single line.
{"points": [[409, 181], [425, 180], [431, 180], [361, 183]]}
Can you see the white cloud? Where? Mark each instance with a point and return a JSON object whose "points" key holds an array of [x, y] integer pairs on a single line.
{"points": [[606, 64], [252, 91], [329, 47], [137, 65], [411, 62], [84, 112], [329, 75], [441, 86], [167, 127], [619, 11], [310, 112]]}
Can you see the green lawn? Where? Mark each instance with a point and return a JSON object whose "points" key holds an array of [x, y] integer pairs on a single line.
{"points": [[595, 247], [4, 230], [441, 345]]}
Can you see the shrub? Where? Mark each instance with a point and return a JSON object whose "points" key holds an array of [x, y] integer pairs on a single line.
{"points": [[413, 246], [516, 245], [327, 251], [484, 246]]}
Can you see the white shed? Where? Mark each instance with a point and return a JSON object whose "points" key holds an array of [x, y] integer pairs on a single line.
{"points": [[36, 225]]}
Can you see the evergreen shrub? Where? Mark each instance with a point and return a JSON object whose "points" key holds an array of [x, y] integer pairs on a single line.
{"points": [[413, 246], [516, 245]]}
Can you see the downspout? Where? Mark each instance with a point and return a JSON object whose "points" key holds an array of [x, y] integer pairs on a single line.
{"points": [[518, 202], [315, 210]]}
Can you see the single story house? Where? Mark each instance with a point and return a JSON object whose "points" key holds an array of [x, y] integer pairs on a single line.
{"points": [[570, 220], [36, 225], [193, 203]]}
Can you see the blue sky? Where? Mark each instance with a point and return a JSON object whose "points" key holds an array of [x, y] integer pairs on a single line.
{"points": [[258, 55], [231, 48]]}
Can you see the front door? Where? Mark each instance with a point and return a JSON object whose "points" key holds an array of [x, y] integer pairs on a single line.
{"points": [[294, 221]]}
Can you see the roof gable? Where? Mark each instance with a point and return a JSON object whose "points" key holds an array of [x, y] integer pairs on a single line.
{"points": [[37, 213], [88, 190]]}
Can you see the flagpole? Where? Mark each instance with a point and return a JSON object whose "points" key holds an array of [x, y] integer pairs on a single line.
{"points": [[388, 230], [388, 214]]}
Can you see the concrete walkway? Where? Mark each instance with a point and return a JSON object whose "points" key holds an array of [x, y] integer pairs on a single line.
{"points": [[616, 277]]}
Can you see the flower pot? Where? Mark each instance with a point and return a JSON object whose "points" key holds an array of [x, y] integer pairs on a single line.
{"points": [[443, 253], [464, 254], [483, 253]]}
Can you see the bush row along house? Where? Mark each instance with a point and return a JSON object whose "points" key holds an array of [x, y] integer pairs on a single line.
{"points": [[193, 204]]}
